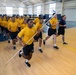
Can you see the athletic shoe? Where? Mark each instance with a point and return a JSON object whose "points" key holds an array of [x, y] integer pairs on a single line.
{"points": [[14, 47], [8, 41], [44, 42], [55, 47], [41, 50], [65, 43], [28, 64], [20, 54]]}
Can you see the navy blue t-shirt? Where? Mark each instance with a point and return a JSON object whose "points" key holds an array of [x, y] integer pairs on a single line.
{"points": [[62, 22]]}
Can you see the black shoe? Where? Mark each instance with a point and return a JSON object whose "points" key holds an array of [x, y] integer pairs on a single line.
{"points": [[19, 53], [41, 50], [14, 47], [8, 41], [56, 47], [44, 42], [28, 64], [65, 43]]}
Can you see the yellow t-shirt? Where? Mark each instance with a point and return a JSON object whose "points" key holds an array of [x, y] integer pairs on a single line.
{"points": [[5, 24], [53, 22], [23, 26], [2, 23], [10, 20], [13, 26], [26, 34], [37, 20], [38, 26], [20, 21], [4, 19]]}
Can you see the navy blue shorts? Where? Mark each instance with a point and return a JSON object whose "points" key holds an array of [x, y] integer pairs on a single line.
{"points": [[38, 36], [13, 35], [6, 30], [51, 31], [28, 49], [61, 31], [2, 28]]}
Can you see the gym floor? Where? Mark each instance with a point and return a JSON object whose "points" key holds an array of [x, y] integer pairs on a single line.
{"points": [[50, 62]]}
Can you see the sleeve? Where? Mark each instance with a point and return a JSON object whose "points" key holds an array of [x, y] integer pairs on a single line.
{"points": [[36, 27], [61, 22], [35, 21], [51, 22], [21, 33], [9, 26]]}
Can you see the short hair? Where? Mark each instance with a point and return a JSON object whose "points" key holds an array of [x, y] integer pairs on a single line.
{"points": [[63, 16], [28, 20], [53, 13]]}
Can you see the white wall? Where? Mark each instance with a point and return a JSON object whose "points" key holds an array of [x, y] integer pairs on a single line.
{"points": [[70, 14], [70, 10], [15, 10], [59, 7], [2, 10]]}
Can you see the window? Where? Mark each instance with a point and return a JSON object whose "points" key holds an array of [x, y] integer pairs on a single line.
{"points": [[52, 8], [9, 10], [38, 10], [29, 10], [20, 11]]}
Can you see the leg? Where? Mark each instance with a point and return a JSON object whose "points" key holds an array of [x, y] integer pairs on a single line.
{"points": [[63, 39], [46, 39], [49, 34], [14, 44], [55, 46], [40, 44], [8, 37], [28, 57]]}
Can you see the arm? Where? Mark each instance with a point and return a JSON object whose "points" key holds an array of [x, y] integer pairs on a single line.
{"points": [[52, 23], [20, 41], [62, 25], [19, 37], [9, 27]]}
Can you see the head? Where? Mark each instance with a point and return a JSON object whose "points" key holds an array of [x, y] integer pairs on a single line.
{"points": [[25, 21], [30, 23], [40, 16], [63, 17], [22, 17], [55, 15], [13, 18], [41, 21], [19, 17], [7, 18]]}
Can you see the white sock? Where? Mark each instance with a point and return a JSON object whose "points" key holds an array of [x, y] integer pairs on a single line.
{"points": [[39, 47], [54, 44], [26, 60], [21, 52]]}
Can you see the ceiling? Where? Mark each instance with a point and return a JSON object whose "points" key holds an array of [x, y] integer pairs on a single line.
{"points": [[23, 3]]}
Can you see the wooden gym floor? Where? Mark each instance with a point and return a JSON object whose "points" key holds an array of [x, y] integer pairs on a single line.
{"points": [[51, 62]]}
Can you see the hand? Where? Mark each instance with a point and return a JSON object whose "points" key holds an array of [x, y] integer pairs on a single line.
{"points": [[22, 44], [64, 26], [57, 23], [25, 45], [38, 31], [42, 30]]}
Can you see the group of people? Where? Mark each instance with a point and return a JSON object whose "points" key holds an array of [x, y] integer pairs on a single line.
{"points": [[28, 31]]}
